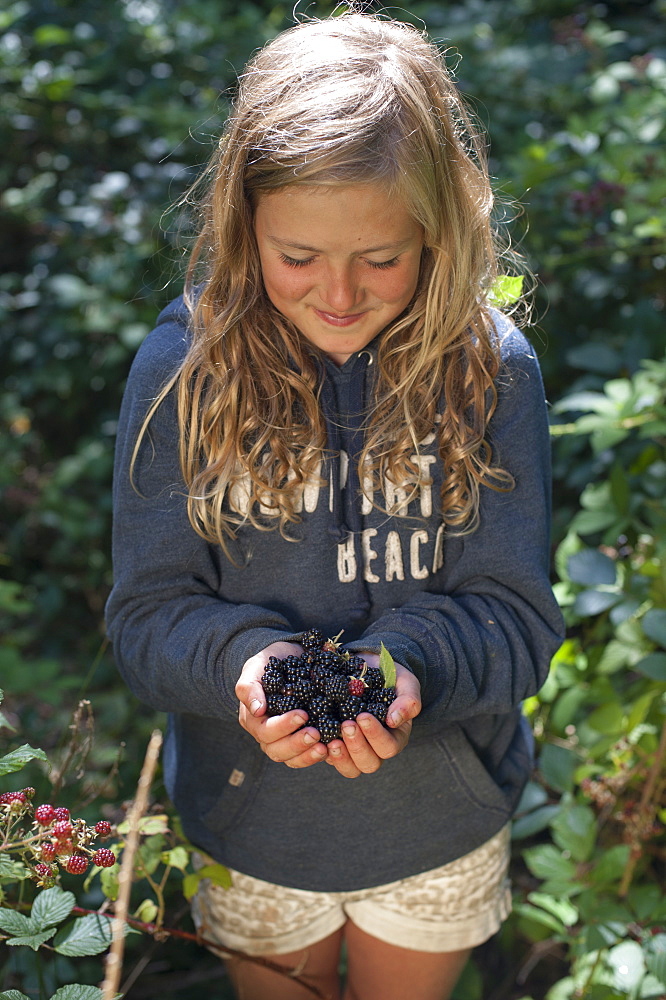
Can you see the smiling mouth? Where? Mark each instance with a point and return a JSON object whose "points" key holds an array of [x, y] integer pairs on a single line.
{"points": [[334, 320]]}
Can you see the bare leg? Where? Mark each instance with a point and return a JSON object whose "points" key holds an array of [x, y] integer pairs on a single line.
{"points": [[377, 969], [317, 965]]}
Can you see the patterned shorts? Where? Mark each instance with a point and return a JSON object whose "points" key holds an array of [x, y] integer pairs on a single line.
{"points": [[459, 905]]}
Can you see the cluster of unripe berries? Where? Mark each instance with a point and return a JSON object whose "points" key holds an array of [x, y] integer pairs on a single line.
{"points": [[327, 682], [58, 839]]}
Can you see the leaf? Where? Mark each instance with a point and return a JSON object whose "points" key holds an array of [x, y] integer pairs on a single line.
{"points": [[77, 992], [5, 723], [533, 822], [387, 666], [11, 870], [177, 857], [51, 906], [575, 831], [146, 911], [541, 917], [546, 862], [628, 964], [562, 909], [654, 625], [594, 602], [557, 765], [34, 940], [506, 289], [591, 567], [14, 922], [653, 665], [655, 956], [148, 825], [610, 866], [87, 935], [13, 995], [18, 758]]}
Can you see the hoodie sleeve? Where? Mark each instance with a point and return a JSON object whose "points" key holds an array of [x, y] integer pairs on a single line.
{"points": [[482, 640], [178, 645]]}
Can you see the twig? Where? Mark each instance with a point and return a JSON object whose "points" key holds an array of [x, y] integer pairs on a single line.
{"points": [[75, 745], [115, 958], [644, 807]]}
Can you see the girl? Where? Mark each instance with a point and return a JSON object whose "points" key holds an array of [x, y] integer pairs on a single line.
{"points": [[333, 428]]}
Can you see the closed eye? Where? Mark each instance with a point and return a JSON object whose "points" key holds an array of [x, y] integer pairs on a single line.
{"points": [[383, 264], [294, 261]]}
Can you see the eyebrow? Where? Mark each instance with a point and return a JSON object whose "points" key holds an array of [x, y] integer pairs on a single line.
{"points": [[399, 245]]}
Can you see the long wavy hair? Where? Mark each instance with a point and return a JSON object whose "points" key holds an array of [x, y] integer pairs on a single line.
{"points": [[345, 100]]}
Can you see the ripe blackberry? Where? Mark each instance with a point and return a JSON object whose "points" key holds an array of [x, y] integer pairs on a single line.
{"points": [[303, 690], [329, 661], [272, 681], [386, 695], [336, 687], [104, 858], [319, 706], [278, 704], [296, 670], [45, 814], [374, 678], [312, 640], [319, 676], [329, 729], [77, 864], [350, 708], [355, 664], [103, 828], [378, 709]]}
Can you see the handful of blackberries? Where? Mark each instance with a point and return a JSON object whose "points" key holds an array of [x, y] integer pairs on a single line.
{"points": [[329, 683]]}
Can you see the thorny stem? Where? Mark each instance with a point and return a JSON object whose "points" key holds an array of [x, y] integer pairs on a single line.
{"points": [[645, 806]]}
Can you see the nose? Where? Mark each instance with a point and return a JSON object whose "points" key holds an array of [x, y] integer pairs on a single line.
{"points": [[341, 291]]}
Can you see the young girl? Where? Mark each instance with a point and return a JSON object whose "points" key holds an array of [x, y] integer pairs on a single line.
{"points": [[334, 429]]}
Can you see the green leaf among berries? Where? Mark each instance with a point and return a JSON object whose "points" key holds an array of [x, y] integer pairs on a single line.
{"points": [[12, 871], [18, 758], [387, 667], [51, 906], [89, 935], [13, 995]]}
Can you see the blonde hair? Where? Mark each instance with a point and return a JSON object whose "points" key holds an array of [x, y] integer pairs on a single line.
{"points": [[345, 100]]}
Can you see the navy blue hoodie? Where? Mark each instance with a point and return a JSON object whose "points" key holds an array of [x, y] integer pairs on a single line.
{"points": [[473, 617]]}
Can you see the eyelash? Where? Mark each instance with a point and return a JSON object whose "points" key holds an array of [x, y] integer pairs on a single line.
{"points": [[377, 265]]}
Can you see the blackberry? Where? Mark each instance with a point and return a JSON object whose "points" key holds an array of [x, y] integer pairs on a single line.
{"points": [[336, 687], [303, 690], [355, 664], [284, 703], [296, 671], [350, 708], [45, 814], [386, 695], [329, 661], [272, 681], [378, 709], [329, 729], [104, 858], [77, 864], [374, 678], [319, 706], [356, 687], [319, 676], [312, 640]]}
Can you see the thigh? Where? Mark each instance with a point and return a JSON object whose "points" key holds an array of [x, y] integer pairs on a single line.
{"points": [[316, 965], [377, 969]]}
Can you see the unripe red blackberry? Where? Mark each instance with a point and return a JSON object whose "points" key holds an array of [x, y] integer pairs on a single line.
{"points": [[62, 829], [64, 847], [62, 812], [48, 851], [44, 871], [29, 793], [356, 687], [77, 864], [103, 828], [104, 858], [45, 814]]}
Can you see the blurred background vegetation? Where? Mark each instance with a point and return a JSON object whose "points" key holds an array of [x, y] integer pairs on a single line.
{"points": [[108, 113]]}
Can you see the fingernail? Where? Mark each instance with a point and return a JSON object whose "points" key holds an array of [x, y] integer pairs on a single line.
{"points": [[396, 718], [255, 705], [364, 723], [349, 731], [318, 752], [334, 751], [308, 739]]}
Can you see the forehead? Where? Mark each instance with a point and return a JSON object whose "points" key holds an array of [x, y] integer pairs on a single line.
{"points": [[335, 217]]}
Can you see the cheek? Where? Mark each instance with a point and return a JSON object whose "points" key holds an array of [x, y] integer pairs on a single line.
{"points": [[397, 287], [283, 285]]}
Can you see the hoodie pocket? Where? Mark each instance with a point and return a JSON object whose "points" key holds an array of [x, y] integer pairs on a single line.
{"points": [[473, 779]]}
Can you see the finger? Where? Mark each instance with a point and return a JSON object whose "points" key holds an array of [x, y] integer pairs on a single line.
{"points": [[360, 751], [250, 693], [338, 757], [268, 729], [383, 742], [305, 741]]}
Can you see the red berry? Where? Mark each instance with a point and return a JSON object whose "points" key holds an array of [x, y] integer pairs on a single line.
{"points": [[4, 798], [103, 828], [44, 871], [29, 793], [45, 814], [104, 858], [356, 687], [77, 864], [62, 829], [48, 852], [62, 813], [64, 847]]}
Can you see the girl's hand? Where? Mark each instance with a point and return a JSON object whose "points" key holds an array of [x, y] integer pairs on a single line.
{"points": [[366, 743], [281, 737]]}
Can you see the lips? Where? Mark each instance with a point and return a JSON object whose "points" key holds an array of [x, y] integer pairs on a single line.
{"points": [[334, 320]]}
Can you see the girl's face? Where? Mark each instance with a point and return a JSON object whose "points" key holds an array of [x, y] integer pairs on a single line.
{"points": [[339, 262]]}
